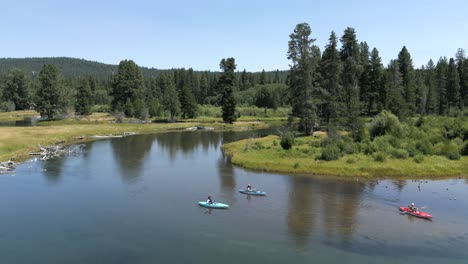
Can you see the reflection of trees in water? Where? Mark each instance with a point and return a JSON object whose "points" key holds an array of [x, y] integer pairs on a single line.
{"points": [[300, 213], [129, 152], [399, 184], [186, 142], [226, 174], [53, 169], [340, 202]]}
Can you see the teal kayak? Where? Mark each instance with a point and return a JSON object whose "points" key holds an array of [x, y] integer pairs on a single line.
{"points": [[253, 192], [214, 205]]}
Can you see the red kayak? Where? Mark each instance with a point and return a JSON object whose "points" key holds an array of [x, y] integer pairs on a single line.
{"points": [[416, 213]]}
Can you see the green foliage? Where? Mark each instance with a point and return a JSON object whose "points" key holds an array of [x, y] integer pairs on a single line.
{"points": [[226, 85], [358, 132], [7, 106], [100, 109], [171, 100], [379, 156], [50, 98], [188, 103], [287, 140], [83, 98], [15, 89], [424, 146], [464, 149], [127, 88], [330, 152], [399, 153], [418, 158], [384, 123]]}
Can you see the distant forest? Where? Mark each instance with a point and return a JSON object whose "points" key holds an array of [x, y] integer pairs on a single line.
{"points": [[337, 85]]}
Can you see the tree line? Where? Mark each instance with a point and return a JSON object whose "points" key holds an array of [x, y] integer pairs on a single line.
{"points": [[339, 85], [333, 87], [172, 94]]}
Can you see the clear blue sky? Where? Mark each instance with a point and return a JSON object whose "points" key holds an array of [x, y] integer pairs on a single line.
{"points": [[198, 34]]}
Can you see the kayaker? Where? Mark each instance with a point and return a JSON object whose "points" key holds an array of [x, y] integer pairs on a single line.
{"points": [[412, 207], [249, 187], [209, 201]]}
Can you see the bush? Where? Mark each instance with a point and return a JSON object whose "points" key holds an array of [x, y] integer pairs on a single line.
{"points": [[330, 152], [412, 150], [7, 106], [379, 156], [451, 151], [358, 132], [100, 109], [351, 148], [350, 161], [464, 149], [418, 158], [384, 123], [399, 153], [424, 146], [453, 155], [258, 145], [287, 140], [275, 143]]}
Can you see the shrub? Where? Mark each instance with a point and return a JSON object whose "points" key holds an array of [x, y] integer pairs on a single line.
{"points": [[384, 123], [100, 108], [275, 143], [399, 153], [453, 155], [258, 145], [464, 149], [315, 143], [330, 152], [7, 106], [351, 148], [379, 156], [382, 143], [451, 151], [424, 146], [412, 150], [287, 140], [358, 132], [418, 158], [296, 165], [350, 161]]}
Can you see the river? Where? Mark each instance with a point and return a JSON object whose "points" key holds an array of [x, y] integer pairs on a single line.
{"points": [[134, 200]]}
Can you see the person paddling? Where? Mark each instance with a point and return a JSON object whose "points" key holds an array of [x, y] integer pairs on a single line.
{"points": [[249, 187], [413, 207], [209, 201]]}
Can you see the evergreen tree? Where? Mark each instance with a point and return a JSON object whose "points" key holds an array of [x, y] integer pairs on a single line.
{"points": [[406, 69], [441, 83], [376, 91], [127, 87], [277, 78], [330, 69], [453, 85], [171, 98], [245, 84], [432, 104], [396, 102], [226, 84], [188, 103], [350, 78], [204, 87], [462, 67], [15, 89], [364, 80], [263, 77], [84, 98], [303, 76], [50, 101]]}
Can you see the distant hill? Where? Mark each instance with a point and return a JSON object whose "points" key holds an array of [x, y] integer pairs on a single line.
{"points": [[72, 68], [68, 67]]}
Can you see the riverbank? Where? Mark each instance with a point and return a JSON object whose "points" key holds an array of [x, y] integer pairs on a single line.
{"points": [[266, 154], [17, 142]]}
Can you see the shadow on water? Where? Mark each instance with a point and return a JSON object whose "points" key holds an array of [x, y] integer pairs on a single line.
{"points": [[129, 153]]}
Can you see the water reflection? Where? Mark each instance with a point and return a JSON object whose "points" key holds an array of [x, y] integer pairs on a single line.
{"points": [[226, 174], [399, 184], [53, 169], [336, 202], [130, 153]]}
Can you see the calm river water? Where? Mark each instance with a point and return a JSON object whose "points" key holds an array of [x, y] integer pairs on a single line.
{"points": [[134, 200]]}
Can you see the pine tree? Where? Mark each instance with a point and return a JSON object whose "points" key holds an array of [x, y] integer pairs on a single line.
{"points": [[263, 77], [432, 104], [188, 103], [376, 91], [15, 89], [453, 85], [84, 98], [441, 82], [277, 78], [396, 102], [127, 87], [171, 98], [407, 73], [245, 84], [350, 78], [365, 96], [226, 84], [330, 69], [462, 67], [50, 100]]}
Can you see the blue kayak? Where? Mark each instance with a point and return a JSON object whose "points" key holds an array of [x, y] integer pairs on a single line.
{"points": [[214, 205], [253, 192]]}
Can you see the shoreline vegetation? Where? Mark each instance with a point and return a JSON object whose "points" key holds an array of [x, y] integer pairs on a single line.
{"points": [[425, 147], [17, 141]]}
